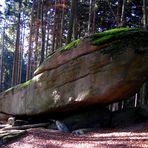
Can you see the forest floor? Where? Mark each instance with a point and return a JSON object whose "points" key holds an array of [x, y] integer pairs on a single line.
{"points": [[135, 136]]}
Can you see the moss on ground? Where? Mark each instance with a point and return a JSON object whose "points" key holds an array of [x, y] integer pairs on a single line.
{"points": [[71, 45]]}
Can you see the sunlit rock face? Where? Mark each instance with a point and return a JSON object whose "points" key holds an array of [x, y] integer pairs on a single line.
{"points": [[88, 74]]}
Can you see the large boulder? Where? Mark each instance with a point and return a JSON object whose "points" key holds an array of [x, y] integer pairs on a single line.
{"points": [[100, 69]]}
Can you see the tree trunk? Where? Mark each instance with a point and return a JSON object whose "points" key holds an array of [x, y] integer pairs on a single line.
{"points": [[47, 38], [94, 18], [36, 53], [90, 17], [30, 50], [54, 29], [16, 60], [119, 11], [62, 25], [145, 21], [112, 11], [72, 19], [122, 13], [44, 14], [1, 59]]}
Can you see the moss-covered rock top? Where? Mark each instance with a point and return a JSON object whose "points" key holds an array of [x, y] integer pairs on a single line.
{"points": [[105, 37], [115, 40], [72, 44], [25, 84], [112, 42], [113, 34]]}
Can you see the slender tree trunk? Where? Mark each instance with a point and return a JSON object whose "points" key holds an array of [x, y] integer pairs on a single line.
{"points": [[74, 5], [94, 18], [112, 11], [62, 25], [57, 28], [30, 50], [75, 23], [37, 36], [1, 59], [54, 29], [1, 68], [123, 12], [48, 36], [119, 11], [145, 20], [43, 33], [90, 15], [16, 60]]}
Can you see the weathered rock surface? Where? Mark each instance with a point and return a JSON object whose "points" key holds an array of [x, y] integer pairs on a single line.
{"points": [[93, 72]]}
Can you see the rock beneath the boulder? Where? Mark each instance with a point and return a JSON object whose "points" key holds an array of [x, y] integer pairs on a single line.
{"points": [[100, 69]]}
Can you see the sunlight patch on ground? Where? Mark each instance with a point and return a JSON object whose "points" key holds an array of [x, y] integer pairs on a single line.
{"points": [[89, 140]]}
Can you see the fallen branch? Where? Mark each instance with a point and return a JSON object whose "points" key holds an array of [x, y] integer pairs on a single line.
{"points": [[22, 127], [5, 126]]}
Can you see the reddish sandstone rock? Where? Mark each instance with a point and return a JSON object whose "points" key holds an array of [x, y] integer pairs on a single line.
{"points": [[96, 71]]}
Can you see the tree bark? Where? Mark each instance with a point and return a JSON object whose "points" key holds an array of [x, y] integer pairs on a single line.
{"points": [[122, 13], [43, 33], [1, 59], [54, 29], [22, 127], [72, 19], [36, 61], [145, 21], [16, 60], [30, 50], [94, 18], [62, 25]]}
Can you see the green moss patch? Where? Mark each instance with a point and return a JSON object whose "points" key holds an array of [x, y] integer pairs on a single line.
{"points": [[71, 45], [10, 89], [109, 35], [23, 85], [115, 40]]}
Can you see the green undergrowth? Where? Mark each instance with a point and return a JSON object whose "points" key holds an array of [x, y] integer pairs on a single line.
{"points": [[71, 45]]}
